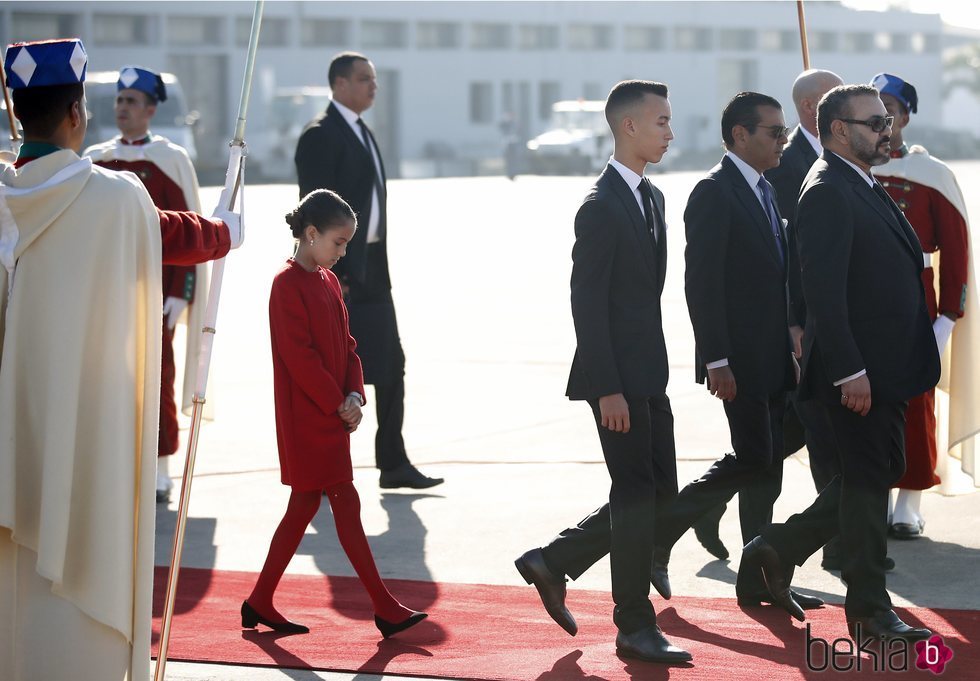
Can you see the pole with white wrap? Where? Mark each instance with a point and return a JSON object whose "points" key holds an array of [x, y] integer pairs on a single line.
{"points": [[234, 182]]}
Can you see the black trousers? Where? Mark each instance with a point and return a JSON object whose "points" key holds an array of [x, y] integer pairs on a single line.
{"points": [[854, 505], [642, 467], [755, 470], [375, 328]]}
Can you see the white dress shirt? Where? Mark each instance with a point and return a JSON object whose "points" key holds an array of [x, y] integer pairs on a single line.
{"points": [[375, 219], [633, 181], [814, 142]]}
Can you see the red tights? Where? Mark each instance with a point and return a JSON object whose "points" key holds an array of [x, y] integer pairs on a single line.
{"points": [[346, 507]]}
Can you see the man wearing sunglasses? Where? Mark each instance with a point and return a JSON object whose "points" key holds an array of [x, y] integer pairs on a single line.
{"points": [[926, 191], [735, 282], [868, 349]]}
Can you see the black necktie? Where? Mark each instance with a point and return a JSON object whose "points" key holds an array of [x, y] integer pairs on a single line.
{"points": [[767, 201], [378, 182], [648, 204]]}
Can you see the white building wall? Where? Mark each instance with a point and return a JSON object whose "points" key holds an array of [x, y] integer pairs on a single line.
{"points": [[433, 90]]}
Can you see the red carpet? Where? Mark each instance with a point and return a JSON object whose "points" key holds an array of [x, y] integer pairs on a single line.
{"points": [[502, 632]]}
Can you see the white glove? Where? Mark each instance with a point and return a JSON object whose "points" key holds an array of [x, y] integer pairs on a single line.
{"points": [[172, 309], [236, 226], [943, 328]]}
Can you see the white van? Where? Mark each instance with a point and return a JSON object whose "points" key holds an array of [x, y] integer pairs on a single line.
{"points": [[577, 141], [272, 146], [172, 120]]}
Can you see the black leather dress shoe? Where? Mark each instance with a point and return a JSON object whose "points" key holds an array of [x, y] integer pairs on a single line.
{"points": [[649, 644], [758, 554], [905, 530], [804, 601], [706, 530], [251, 617], [408, 475], [551, 588], [658, 571], [884, 624]]}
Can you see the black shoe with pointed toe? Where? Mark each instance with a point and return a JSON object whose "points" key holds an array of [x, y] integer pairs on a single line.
{"points": [[759, 554], [658, 572], [551, 588], [706, 530], [251, 617], [388, 629], [884, 624], [651, 645]]}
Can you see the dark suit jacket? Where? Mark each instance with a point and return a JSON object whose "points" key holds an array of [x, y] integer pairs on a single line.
{"points": [[617, 278], [786, 179], [736, 284], [861, 270], [330, 156]]}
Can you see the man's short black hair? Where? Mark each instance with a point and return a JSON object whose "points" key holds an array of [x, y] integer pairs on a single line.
{"points": [[627, 93], [743, 109], [836, 104], [342, 65], [42, 109]]}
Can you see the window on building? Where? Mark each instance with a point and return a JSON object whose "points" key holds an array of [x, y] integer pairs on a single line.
{"points": [[490, 36], [932, 42], [325, 32], [901, 42], [274, 33], [736, 75], [691, 38], [857, 42], [121, 29], [823, 41], [435, 35], [917, 42], [481, 102], [737, 39], [643, 38], [384, 34], [778, 41], [183, 30], [538, 37], [590, 37], [883, 41], [549, 92], [27, 26], [594, 90]]}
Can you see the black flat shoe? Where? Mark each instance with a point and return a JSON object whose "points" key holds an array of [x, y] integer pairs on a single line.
{"points": [[804, 601], [758, 554], [650, 645], [706, 530], [252, 617], [391, 628], [409, 476], [884, 624]]}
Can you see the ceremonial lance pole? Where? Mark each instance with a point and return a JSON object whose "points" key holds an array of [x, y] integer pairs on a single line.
{"points": [[803, 44], [14, 135], [233, 183]]}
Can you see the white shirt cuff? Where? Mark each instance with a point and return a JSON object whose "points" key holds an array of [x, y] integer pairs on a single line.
{"points": [[360, 398], [850, 378], [718, 363]]}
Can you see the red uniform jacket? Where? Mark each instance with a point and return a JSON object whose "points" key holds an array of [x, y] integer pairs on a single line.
{"points": [[314, 369]]}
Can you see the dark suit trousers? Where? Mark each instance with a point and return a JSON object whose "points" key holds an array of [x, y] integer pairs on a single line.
{"points": [[806, 423], [374, 327], [854, 505], [643, 469], [755, 470]]}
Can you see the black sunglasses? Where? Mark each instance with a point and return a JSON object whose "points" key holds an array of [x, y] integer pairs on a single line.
{"points": [[876, 123], [776, 131]]}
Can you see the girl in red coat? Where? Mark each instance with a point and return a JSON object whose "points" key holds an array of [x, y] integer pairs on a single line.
{"points": [[318, 391]]}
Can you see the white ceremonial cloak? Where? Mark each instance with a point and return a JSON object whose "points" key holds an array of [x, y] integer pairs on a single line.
{"points": [[79, 411], [961, 361], [175, 163]]}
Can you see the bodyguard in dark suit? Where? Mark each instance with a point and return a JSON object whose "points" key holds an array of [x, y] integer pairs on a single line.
{"points": [[867, 349], [337, 151], [735, 283], [620, 368]]}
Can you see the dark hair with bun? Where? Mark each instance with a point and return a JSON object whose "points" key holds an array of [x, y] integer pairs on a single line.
{"points": [[321, 208]]}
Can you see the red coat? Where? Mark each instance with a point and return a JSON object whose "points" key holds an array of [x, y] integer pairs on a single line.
{"points": [[314, 369]]}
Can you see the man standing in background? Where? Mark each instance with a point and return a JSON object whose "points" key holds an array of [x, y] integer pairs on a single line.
{"points": [[337, 151], [166, 171]]}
